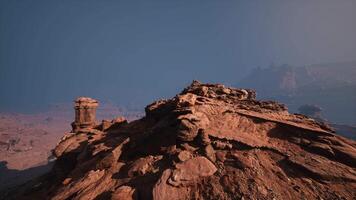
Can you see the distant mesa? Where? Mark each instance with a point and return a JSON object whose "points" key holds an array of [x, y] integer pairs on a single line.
{"points": [[331, 86]]}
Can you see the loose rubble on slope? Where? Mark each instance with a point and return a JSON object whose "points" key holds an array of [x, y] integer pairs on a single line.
{"points": [[208, 142]]}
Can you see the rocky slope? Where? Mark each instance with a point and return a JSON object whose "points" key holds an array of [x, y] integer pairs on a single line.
{"points": [[208, 142], [26, 140]]}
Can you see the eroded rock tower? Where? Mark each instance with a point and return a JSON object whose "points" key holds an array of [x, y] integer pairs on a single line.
{"points": [[85, 111]]}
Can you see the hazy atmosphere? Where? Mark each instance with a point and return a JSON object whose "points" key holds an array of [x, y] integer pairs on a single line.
{"points": [[177, 99], [133, 52]]}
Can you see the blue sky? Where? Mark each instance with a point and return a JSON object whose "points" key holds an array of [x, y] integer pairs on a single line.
{"points": [[133, 52]]}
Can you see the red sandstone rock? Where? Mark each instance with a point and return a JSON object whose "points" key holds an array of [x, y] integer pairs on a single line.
{"points": [[208, 142], [143, 166], [184, 155], [191, 170], [124, 193], [85, 111]]}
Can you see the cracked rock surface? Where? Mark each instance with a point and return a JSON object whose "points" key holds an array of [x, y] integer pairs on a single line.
{"points": [[208, 142]]}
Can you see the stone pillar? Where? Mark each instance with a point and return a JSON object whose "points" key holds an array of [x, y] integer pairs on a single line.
{"points": [[85, 111]]}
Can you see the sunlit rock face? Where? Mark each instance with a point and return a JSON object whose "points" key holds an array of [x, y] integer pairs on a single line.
{"points": [[85, 111], [208, 142]]}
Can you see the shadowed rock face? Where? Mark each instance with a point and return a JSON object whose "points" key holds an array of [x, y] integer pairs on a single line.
{"points": [[208, 142]]}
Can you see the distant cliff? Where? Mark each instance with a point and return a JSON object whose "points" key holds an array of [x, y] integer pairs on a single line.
{"points": [[330, 86]]}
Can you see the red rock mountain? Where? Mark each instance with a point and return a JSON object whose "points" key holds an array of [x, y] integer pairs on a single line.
{"points": [[208, 142]]}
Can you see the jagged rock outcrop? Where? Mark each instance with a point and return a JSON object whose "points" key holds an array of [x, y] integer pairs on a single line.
{"points": [[208, 142], [85, 111]]}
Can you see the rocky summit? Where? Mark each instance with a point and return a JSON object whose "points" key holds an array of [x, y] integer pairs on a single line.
{"points": [[208, 142]]}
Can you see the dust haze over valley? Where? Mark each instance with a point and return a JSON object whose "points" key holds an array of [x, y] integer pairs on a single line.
{"points": [[130, 54]]}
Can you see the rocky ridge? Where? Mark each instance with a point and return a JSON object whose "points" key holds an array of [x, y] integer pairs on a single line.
{"points": [[208, 142], [26, 140]]}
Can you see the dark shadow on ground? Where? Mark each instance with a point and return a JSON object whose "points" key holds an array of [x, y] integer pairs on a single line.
{"points": [[10, 178]]}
